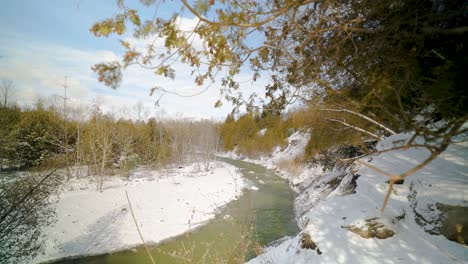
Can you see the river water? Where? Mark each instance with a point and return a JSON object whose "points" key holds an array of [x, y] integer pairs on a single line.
{"points": [[238, 232]]}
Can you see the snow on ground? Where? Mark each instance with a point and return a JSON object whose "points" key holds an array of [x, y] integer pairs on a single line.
{"points": [[328, 207], [262, 132], [166, 203]]}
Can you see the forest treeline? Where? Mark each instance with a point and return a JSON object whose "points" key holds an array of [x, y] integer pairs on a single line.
{"points": [[43, 146], [44, 137]]}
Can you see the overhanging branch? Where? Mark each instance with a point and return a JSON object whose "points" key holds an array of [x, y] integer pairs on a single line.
{"points": [[362, 116], [356, 128]]}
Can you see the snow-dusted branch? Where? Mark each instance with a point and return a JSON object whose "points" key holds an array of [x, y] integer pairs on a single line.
{"points": [[362, 116]]}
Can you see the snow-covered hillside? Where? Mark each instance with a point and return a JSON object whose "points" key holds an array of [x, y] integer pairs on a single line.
{"points": [[338, 211], [166, 203]]}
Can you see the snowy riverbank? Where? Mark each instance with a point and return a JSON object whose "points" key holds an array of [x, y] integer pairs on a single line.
{"points": [[338, 211], [165, 203], [281, 160]]}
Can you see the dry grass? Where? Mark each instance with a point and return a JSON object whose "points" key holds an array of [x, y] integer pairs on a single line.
{"points": [[308, 243]]}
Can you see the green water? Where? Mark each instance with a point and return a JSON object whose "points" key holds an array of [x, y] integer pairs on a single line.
{"points": [[255, 219]]}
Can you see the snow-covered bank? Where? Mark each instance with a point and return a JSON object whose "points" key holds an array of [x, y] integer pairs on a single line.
{"points": [[281, 160], [339, 215], [166, 203]]}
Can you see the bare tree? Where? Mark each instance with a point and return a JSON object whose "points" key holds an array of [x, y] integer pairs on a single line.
{"points": [[206, 139], [139, 111], [99, 142], [6, 92], [181, 139], [104, 137], [78, 114], [65, 126]]}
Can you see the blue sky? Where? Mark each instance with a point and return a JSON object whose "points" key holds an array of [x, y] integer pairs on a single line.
{"points": [[43, 41]]}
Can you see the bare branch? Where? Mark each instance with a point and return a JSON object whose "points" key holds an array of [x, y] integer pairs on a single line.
{"points": [[6, 92], [355, 128], [435, 152], [362, 116]]}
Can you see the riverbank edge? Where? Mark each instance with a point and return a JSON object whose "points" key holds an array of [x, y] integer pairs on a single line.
{"points": [[238, 182], [313, 241]]}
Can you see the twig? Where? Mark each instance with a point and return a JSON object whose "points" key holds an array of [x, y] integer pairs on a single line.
{"points": [[375, 168], [394, 178], [139, 232]]}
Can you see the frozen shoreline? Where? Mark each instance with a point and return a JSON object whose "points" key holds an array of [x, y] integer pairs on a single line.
{"points": [[166, 203]]}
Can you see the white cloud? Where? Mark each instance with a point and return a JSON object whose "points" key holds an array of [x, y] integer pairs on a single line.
{"points": [[41, 67], [38, 69]]}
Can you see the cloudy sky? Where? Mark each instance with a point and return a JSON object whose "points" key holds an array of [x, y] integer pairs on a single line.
{"points": [[44, 41]]}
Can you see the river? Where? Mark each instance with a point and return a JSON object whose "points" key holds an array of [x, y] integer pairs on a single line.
{"points": [[237, 234]]}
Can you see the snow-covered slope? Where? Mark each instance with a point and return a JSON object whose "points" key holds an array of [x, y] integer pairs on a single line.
{"points": [[296, 173], [337, 209], [166, 203]]}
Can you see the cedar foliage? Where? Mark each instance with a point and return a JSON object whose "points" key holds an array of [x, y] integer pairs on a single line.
{"points": [[244, 133], [253, 134]]}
